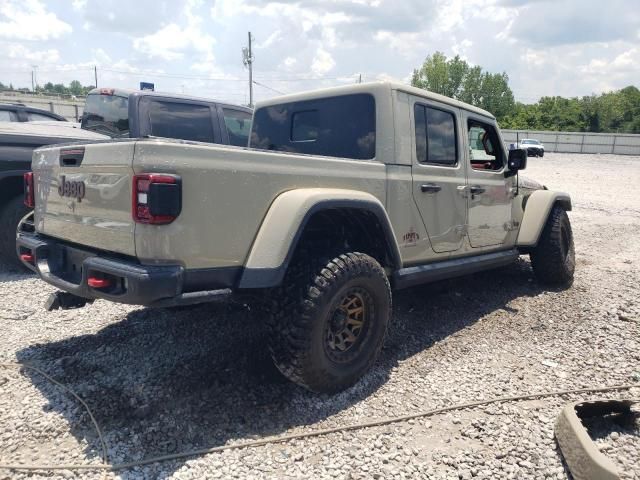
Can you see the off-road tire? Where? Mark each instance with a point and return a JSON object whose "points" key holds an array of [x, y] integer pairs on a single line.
{"points": [[303, 317], [553, 259], [10, 217]]}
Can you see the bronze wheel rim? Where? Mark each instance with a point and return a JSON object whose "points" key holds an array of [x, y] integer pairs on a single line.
{"points": [[346, 323]]}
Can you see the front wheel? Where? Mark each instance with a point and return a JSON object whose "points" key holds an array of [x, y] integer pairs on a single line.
{"points": [[328, 322], [553, 259], [541, 153]]}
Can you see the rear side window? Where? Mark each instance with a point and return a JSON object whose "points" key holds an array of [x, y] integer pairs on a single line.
{"points": [[184, 121], [238, 124], [435, 136], [8, 116], [343, 127], [106, 114], [39, 117]]}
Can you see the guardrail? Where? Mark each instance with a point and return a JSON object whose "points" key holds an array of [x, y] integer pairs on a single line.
{"points": [[579, 142], [70, 109]]}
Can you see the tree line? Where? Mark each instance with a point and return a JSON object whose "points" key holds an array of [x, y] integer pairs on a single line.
{"points": [[617, 111], [74, 88]]}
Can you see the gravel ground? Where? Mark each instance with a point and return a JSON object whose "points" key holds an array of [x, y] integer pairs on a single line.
{"points": [[161, 381]]}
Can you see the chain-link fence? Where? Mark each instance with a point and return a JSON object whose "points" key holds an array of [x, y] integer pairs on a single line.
{"points": [[578, 142]]}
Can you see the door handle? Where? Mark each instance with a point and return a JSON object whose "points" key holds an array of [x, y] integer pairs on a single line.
{"points": [[430, 188], [476, 189]]}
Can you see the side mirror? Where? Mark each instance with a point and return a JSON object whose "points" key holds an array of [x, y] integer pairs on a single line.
{"points": [[517, 159], [487, 145]]}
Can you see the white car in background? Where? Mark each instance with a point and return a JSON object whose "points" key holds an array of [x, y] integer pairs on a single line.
{"points": [[533, 147]]}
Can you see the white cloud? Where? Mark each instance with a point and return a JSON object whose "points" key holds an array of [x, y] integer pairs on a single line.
{"points": [[21, 53], [289, 62], [547, 47], [79, 4], [323, 62], [271, 39], [173, 41], [30, 20]]}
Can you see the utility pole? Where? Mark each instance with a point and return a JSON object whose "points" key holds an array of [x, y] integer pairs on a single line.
{"points": [[360, 78], [34, 78], [95, 74], [247, 60]]}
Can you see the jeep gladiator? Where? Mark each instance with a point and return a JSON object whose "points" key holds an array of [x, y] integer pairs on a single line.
{"points": [[344, 194]]}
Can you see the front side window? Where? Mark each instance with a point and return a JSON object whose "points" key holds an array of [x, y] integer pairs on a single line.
{"points": [[435, 132], [39, 117], [184, 121], [484, 147], [343, 127], [238, 124]]}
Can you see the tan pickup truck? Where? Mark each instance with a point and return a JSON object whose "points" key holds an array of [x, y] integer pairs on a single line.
{"points": [[344, 195]]}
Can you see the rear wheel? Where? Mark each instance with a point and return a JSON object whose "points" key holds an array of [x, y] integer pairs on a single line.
{"points": [[553, 259], [10, 217], [329, 320]]}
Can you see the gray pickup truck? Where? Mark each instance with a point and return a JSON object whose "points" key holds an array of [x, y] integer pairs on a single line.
{"points": [[122, 113], [345, 194]]}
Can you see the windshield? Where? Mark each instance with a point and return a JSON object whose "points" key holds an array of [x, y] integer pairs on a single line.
{"points": [[531, 142], [106, 114]]}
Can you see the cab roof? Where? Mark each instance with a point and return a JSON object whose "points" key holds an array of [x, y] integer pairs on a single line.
{"points": [[370, 87], [125, 92]]}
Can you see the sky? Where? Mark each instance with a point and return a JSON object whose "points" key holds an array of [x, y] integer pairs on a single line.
{"points": [[547, 47]]}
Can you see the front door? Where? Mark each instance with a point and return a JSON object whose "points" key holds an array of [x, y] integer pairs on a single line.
{"points": [[439, 175], [489, 193]]}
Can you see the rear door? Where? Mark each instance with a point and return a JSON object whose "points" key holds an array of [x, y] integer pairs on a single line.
{"points": [[83, 194], [179, 118], [439, 174], [489, 192]]}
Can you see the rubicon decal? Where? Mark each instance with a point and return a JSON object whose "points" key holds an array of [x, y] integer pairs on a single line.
{"points": [[70, 188]]}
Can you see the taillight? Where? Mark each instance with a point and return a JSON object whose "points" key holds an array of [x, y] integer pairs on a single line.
{"points": [[29, 196], [156, 198]]}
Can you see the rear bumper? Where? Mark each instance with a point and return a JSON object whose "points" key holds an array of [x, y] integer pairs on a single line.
{"points": [[69, 267]]}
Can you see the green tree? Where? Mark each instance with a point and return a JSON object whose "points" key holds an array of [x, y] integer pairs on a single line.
{"points": [[457, 79], [75, 88]]}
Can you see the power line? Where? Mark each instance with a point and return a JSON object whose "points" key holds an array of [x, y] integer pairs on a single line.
{"points": [[171, 75], [268, 87]]}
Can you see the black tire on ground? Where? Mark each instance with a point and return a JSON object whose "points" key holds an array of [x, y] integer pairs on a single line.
{"points": [[329, 320], [541, 153], [553, 259], [10, 217]]}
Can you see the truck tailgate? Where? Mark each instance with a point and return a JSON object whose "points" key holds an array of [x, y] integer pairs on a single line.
{"points": [[83, 194]]}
